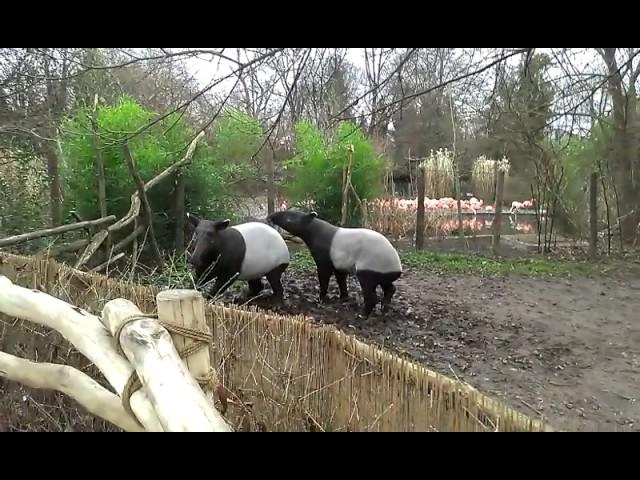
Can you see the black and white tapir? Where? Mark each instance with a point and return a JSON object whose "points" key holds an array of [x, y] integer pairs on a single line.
{"points": [[247, 251], [339, 251]]}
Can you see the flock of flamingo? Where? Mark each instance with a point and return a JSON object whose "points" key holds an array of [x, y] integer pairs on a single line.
{"points": [[447, 203], [441, 214]]}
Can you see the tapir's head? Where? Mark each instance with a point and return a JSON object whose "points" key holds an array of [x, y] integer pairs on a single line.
{"points": [[293, 221], [205, 243]]}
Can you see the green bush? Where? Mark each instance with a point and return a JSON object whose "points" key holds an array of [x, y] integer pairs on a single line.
{"points": [[316, 170], [227, 159], [207, 179]]}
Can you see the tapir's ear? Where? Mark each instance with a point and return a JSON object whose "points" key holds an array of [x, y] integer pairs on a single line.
{"points": [[222, 224], [310, 216], [193, 219]]}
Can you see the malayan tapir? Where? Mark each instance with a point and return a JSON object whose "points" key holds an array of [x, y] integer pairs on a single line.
{"points": [[247, 251], [339, 251]]}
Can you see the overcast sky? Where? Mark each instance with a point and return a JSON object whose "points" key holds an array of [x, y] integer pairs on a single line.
{"points": [[582, 60]]}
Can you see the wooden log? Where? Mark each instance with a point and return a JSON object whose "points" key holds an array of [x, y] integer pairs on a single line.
{"points": [[24, 237], [175, 395], [85, 332], [73, 383], [185, 308]]}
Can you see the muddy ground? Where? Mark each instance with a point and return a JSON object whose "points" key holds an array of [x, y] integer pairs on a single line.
{"points": [[566, 349]]}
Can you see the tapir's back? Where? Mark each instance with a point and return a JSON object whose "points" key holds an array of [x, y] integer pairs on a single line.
{"points": [[364, 249], [265, 250]]}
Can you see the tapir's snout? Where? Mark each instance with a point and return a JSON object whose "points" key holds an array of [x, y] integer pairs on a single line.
{"points": [[195, 259]]}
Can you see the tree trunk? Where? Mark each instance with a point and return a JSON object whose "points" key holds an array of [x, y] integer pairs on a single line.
{"points": [[625, 147], [55, 196], [100, 177], [179, 213], [593, 215], [147, 215]]}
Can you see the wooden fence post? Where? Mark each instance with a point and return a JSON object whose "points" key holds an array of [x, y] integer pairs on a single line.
{"points": [[185, 308], [593, 215], [497, 221], [420, 214], [459, 200], [176, 397]]}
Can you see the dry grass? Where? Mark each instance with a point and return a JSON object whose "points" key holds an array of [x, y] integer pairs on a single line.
{"points": [[439, 173], [483, 177], [391, 219], [281, 373]]}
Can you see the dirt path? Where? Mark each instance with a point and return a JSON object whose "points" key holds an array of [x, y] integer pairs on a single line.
{"points": [[566, 349]]}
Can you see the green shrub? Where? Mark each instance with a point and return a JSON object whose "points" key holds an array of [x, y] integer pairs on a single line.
{"points": [[207, 179], [316, 170]]}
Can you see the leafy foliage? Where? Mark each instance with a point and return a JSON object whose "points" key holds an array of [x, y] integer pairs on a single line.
{"points": [[317, 169], [206, 180]]}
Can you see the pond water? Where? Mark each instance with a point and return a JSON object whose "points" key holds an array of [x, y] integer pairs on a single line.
{"points": [[482, 224]]}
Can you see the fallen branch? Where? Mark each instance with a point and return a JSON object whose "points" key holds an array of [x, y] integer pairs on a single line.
{"points": [[92, 248], [122, 244], [134, 210], [77, 385], [24, 237], [85, 332], [104, 265], [56, 250]]}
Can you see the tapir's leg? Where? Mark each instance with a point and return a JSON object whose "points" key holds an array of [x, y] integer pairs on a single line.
{"points": [[255, 287], [274, 278], [223, 282], [324, 275], [389, 289], [369, 283], [341, 278]]}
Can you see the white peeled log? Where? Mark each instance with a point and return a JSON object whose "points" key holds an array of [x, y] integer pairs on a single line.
{"points": [[96, 399], [85, 332], [185, 308], [176, 396]]}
